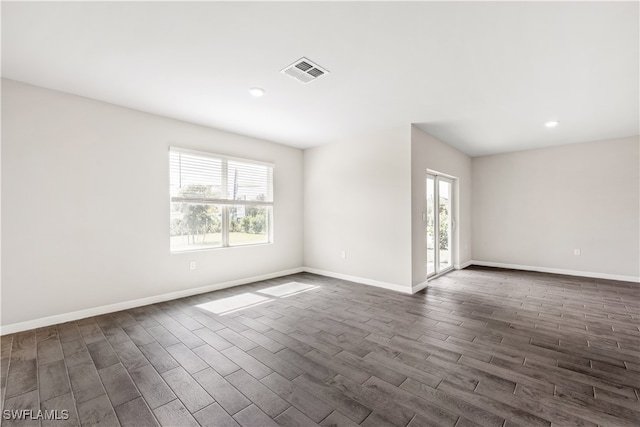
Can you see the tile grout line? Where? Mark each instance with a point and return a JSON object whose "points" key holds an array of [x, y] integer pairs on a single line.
{"points": [[4, 396], [126, 371], [66, 368]]}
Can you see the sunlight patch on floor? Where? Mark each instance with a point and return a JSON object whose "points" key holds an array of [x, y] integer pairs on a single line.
{"points": [[234, 303], [287, 290], [246, 300]]}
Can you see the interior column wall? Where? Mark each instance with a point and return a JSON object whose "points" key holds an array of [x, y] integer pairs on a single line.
{"points": [[357, 202], [429, 153]]}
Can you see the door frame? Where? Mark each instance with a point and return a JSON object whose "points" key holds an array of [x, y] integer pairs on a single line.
{"points": [[453, 221]]}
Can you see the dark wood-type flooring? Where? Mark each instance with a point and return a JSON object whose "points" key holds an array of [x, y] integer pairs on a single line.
{"points": [[480, 346]]}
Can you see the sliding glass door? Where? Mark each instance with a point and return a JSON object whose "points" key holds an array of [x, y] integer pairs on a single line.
{"points": [[431, 228], [439, 221]]}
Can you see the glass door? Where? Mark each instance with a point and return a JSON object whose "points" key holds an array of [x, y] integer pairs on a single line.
{"points": [[445, 251], [439, 223], [431, 228]]}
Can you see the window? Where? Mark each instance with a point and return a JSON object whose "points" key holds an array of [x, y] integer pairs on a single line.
{"points": [[218, 201]]}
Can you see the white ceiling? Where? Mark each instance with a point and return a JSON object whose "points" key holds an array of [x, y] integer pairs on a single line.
{"points": [[483, 77]]}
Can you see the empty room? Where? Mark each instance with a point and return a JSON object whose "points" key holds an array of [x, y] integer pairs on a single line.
{"points": [[320, 213]]}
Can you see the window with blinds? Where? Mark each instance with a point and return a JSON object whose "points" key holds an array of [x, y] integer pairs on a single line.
{"points": [[218, 201]]}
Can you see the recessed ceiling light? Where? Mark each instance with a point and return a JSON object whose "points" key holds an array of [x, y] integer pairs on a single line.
{"points": [[551, 124], [256, 91]]}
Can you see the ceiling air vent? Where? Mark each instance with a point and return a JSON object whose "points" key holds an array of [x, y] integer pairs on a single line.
{"points": [[304, 71]]}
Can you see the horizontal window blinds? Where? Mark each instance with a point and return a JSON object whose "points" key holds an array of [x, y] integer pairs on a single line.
{"points": [[246, 181], [204, 178]]}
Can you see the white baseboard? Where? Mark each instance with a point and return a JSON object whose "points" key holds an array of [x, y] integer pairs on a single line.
{"points": [[558, 271], [362, 280], [463, 265], [419, 287], [125, 305]]}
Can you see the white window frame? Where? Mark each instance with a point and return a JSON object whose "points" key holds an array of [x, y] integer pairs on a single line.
{"points": [[225, 202]]}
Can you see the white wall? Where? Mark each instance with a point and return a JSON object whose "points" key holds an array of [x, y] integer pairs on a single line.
{"points": [[85, 208], [85, 213], [533, 208], [430, 153], [357, 198]]}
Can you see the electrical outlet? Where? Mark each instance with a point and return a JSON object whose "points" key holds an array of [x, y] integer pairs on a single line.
{"points": [[192, 265], [577, 252], [343, 254]]}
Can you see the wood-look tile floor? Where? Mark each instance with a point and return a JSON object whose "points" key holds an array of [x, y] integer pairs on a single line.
{"points": [[478, 347]]}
